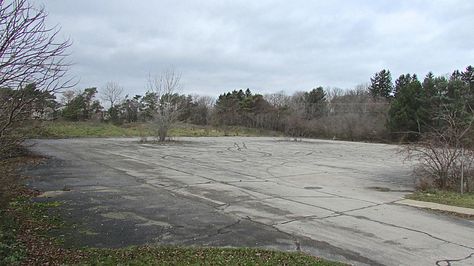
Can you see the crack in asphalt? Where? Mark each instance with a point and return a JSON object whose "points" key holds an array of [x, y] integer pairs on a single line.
{"points": [[295, 239], [412, 230], [448, 261], [310, 217], [219, 231], [204, 164], [247, 190], [321, 244], [312, 205]]}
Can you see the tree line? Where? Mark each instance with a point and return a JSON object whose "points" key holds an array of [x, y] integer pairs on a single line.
{"points": [[382, 110], [434, 115]]}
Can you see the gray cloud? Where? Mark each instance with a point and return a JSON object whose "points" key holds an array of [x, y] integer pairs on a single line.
{"points": [[264, 45]]}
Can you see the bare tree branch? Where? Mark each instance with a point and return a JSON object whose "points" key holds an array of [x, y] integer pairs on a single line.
{"points": [[112, 93], [30, 55]]}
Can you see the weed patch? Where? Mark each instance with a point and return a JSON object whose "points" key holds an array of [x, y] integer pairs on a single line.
{"points": [[58, 129], [445, 197]]}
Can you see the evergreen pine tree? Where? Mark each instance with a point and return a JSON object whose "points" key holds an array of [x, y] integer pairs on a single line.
{"points": [[381, 84], [407, 113]]}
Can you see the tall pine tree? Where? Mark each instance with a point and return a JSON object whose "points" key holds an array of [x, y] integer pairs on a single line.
{"points": [[381, 84], [407, 115]]}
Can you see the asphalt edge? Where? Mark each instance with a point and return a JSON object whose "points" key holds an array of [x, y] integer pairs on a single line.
{"points": [[437, 206]]}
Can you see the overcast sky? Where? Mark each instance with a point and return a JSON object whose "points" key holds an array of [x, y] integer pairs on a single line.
{"points": [[266, 46]]}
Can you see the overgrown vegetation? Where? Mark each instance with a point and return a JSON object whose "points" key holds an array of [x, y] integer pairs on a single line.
{"points": [[379, 111], [64, 129], [148, 255], [438, 119]]}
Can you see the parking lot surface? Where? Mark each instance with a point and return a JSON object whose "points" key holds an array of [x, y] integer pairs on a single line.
{"points": [[332, 199]]}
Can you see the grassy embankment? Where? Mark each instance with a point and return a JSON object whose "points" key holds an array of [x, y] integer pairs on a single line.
{"points": [[465, 200], [60, 129], [26, 238]]}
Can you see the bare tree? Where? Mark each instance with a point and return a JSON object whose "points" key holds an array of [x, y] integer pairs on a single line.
{"points": [[332, 93], [112, 93], [30, 57], [204, 100], [297, 103], [441, 152], [201, 109], [67, 96], [166, 86], [278, 99]]}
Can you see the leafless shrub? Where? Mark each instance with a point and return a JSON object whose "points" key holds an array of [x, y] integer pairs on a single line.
{"points": [[441, 153], [422, 179], [296, 127], [166, 87]]}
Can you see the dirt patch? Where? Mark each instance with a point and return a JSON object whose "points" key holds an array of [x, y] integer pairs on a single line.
{"points": [[386, 189], [380, 189]]}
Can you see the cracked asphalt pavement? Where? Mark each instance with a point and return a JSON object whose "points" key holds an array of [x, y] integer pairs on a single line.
{"points": [[331, 199]]}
